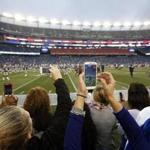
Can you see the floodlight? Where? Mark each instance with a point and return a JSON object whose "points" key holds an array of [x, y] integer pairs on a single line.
{"points": [[54, 21], [96, 24], [127, 24], [19, 17], [42, 20], [146, 23], [5, 14], [65, 22], [107, 24], [86, 23], [136, 24], [117, 24], [31, 19], [76, 23]]}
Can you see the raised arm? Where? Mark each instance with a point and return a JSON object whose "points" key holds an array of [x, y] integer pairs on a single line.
{"points": [[133, 131], [74, 128], [63, 95]]}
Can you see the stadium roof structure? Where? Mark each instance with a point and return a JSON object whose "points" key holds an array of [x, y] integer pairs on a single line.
{"points": [[29, 26], [43, 22]]}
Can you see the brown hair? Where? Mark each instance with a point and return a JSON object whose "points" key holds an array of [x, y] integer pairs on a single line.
{"points": [[15, 127], [99, 96], [37, 103], [138, 96]]}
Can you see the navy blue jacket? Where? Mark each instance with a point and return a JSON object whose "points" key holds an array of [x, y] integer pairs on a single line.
{"points": [[73, 134], [137, 137]]}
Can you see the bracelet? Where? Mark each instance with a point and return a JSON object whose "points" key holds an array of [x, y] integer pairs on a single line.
{"points": [[81, 95]]}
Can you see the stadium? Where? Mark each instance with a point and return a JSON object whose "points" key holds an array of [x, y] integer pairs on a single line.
{"points": [[26, 44], [45, 101]]}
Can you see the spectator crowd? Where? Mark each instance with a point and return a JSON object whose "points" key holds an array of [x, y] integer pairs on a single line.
{"points": [[101, 124]]}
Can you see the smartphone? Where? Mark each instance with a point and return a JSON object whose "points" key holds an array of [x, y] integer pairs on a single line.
{"points": [[44, 70], [90, 71], [8, 89]]}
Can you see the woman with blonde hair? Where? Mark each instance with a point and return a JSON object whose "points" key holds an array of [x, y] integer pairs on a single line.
{"points": [[104, 120], [15, 128]]}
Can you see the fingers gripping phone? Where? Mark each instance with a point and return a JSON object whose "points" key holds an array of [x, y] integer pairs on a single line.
{"points": [[8, 89], [44, 70], [90, 71]]}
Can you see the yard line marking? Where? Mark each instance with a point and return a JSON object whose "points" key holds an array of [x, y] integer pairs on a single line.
{"points": [[22, 92], [72, 82], [121, 83], [25, 84]]}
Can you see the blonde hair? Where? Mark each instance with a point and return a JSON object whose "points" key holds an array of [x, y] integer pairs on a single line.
{"points": [[15, 127], [99, 96]]}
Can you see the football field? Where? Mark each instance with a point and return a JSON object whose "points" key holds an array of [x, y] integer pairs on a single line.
{"points": [[22, 84]]}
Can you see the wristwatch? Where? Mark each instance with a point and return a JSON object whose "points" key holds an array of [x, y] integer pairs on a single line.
{"points": [[78, 111]]}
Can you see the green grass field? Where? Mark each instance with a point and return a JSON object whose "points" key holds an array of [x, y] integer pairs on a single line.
{"points": [[21, 84]]}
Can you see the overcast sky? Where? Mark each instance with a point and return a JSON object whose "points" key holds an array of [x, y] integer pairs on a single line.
{"points": [[82, 10]]}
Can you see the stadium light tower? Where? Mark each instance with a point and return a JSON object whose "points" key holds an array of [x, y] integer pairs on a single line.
{"points": [[96, 24], [76, 23], [8, 15], [137, 24], [86, 24], [54, 21], [19, 17], [65, 22], [31, 19], [42, 20], [107, 24], [117, 24], [146, 23], [127, 24]]}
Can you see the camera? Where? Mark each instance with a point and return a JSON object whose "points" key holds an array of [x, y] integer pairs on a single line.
{"points": [[44, 70]]}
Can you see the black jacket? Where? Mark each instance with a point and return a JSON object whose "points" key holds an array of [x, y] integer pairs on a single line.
{"points": [[53, 137]]}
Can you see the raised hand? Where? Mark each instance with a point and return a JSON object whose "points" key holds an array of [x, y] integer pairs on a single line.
{"points": [[55, 72]]}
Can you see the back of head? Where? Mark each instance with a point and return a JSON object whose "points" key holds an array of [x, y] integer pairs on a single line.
{"points": [[138, 96], [38, 105], [15, 127], [99, 96]]}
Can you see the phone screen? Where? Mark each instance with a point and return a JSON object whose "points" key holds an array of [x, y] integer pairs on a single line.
{"points": [[90, 75], [45, 70], [7, 89]]}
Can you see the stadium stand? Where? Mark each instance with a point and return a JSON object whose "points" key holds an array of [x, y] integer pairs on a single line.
{"points": [[12, 29]]}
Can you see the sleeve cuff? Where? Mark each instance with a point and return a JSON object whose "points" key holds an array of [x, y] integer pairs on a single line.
{"points": [[60, 80], [120, 113], [78, 111]]}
